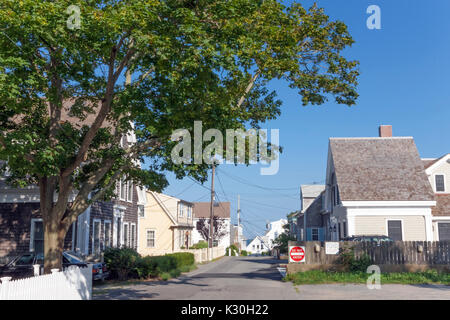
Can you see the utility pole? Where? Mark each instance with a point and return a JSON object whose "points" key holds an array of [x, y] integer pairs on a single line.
{"points": [[211, 221], [239, 223]]}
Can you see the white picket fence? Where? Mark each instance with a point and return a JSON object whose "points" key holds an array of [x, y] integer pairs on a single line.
{"points": [[72, 284]]}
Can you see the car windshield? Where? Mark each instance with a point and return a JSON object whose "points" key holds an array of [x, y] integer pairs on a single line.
{"points": [[25, 259], [71, 258]]}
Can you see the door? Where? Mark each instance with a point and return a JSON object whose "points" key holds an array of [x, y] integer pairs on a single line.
{"points": [[395, 230], [444, 231]]}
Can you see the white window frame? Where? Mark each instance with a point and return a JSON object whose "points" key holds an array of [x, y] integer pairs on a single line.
{"points": [[435, 184], [189, 212], [146, 238], [122, 183], [33, 221], [133, 242], [127, 239], [143, 211], [107, 245], [99, 235], [128, 194], [437, 225], [180, 213], [402, 224]]}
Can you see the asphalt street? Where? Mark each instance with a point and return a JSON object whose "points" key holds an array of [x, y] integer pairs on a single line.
{"points": [[257, 278]]}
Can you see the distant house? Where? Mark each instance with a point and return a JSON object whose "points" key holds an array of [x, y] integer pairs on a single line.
{"points": [[202, 210], [265, 243], [165, 225], [438, 172], [377, 186], [292, 221], [237, 236], [310, 213]]}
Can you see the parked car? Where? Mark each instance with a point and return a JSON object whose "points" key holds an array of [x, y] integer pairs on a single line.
{"points": [[371, 238], [22, 266]]}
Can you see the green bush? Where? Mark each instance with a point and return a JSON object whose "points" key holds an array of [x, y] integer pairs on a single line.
{"points": [[165, 263], [244, 253], [147, 267], [200, 245], [183, 258], [121, 262], [234, 250], [351, 263]]}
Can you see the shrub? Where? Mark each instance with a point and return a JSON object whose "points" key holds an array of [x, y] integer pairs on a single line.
{"points": [[234, 250], [183, 258], [351, 263], [147, 267], [121, 262], [244, 253], [200, 245], [165, 263]]}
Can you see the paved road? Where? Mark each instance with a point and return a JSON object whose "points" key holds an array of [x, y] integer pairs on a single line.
{"points": [[256, 278]]}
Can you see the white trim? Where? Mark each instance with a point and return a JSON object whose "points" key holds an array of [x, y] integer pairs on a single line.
{"points": [[430, 169], [435, 184], [388, 203], [123, 234], [105, 245], [33, 221], [134, 242], [99, 236], [402, 225], [440, 218]]}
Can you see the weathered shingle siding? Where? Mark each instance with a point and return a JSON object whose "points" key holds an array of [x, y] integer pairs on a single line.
{"points": [[379, 169], [15, 228]]}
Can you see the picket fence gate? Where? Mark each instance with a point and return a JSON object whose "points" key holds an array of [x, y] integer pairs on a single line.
{"points": [[72, 284]]}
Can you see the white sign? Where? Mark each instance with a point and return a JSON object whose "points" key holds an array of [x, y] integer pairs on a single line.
{"points": [[331, 247]]}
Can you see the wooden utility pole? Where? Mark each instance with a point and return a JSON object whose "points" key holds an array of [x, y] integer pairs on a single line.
{"points": [[211, 220], [239, 223]]}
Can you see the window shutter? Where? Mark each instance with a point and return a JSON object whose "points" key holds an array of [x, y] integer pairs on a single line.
{"points": [[308, 234]]}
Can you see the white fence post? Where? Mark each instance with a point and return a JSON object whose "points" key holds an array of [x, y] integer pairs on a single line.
{"points": [[36, 269]]}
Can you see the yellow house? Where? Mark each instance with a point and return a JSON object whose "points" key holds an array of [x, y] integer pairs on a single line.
{"points": [[165, 225]]}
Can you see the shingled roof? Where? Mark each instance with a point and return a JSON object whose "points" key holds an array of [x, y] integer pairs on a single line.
{"points": [[202, 210], [442, 207], [379, 169]]}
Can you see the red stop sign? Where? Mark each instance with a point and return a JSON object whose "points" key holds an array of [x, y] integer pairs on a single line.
{"points": [[297, 254]]}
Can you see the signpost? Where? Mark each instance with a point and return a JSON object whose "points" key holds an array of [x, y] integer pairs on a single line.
{"points": [[296, 254]]}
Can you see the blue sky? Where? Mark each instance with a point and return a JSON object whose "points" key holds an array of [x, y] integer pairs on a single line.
{"points": [[404, 82]]}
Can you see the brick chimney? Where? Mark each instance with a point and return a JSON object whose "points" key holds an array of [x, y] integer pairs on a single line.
{"points": [[385, 131]]}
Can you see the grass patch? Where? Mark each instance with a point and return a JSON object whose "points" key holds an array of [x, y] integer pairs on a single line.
{"points": [[323, 277], [190, 268]]}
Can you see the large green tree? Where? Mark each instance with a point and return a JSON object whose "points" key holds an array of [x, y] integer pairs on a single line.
{"points": [[152, 66]]}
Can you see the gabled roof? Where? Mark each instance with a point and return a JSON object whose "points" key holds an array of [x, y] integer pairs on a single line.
{"points": [[428, 162], [203, 210], [311, 190], [437, 162], [442, 207], [379, 169]]}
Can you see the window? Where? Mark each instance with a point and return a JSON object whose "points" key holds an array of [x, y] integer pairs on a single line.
{"points": [[395, 230], [126, 239], [122, 192], [189, 212], [440, 185], [133, 236], [315, 234], [37, 236], [96, 237], [129, 191], [141, 211], [107, 233], [150, 238], [181, 209]]}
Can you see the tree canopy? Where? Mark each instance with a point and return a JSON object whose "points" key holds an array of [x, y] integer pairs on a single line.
{"points": [[68, 95]]}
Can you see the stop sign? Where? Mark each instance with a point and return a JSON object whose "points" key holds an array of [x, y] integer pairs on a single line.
{"points": [[296, 254]]}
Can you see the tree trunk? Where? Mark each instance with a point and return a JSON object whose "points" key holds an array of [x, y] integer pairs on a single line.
{"points": [[54, 235]]}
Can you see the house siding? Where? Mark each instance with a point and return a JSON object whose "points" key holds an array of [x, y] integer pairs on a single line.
{"points": [[15, 228], [413, 226]]}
